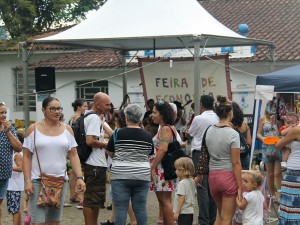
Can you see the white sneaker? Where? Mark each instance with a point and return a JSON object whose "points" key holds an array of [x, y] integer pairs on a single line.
{"points": [[79, 206]]}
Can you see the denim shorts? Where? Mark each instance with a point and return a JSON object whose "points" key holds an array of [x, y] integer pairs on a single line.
{"points": [[270, 154], [40, 214], [3, 188]]}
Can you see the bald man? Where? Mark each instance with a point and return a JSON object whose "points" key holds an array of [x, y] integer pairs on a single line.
{"points": [[95, 166]]}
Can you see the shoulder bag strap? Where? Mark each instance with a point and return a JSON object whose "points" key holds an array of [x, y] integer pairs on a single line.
{"points": [[115, 134], [173, 133], [204, 136], [37, 155]]}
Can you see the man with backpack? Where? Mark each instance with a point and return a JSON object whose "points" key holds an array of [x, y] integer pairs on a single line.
{"points": [[207, 117], [96, 165]]}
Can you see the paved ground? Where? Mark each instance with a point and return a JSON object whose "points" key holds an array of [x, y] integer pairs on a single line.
{"points": [[74, 216]]}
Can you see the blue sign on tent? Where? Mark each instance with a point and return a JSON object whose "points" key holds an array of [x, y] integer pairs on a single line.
{"points": [[227, 49], [149, 52]]}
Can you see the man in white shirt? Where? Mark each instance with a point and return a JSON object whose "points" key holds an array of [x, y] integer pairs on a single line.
{"points": [[207, 117], [96, 165]]}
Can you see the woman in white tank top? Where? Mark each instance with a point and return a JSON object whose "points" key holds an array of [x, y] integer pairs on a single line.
{"points": [[53, 141]]}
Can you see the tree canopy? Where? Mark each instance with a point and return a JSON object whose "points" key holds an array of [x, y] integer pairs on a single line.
{"points": [[23, 18]]}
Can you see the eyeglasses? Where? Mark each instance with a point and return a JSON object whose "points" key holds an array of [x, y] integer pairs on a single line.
{"points": [[53, 109]]}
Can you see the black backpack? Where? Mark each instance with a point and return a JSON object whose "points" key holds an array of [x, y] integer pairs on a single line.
{"points": [[83, 149], [244, 147]]}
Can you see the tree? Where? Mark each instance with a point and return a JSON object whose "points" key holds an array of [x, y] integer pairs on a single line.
{"points": [[23, 18]]}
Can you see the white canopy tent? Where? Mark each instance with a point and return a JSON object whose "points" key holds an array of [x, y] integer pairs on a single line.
{"points": [[149, 25], [156, 24]]}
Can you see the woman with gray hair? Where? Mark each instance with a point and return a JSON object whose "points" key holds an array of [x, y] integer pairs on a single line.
{"points": [[130, 148]]}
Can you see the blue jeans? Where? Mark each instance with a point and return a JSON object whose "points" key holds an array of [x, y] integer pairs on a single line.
{"points": [[206, 203], [137, 191], [3, 188]]}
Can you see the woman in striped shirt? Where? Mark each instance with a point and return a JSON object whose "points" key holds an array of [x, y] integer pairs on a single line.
{"points": [[130, 148]]}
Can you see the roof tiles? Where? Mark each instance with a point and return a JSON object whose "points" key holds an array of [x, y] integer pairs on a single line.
{"points": [[272, 20]]}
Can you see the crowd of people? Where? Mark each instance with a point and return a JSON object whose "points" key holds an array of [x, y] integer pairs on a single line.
{"points": [[131, 146]]}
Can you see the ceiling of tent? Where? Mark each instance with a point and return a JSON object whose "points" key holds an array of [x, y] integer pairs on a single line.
{"points": [[284, 81], [144, 25]]}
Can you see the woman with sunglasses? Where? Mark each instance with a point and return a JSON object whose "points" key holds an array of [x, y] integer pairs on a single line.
{"points": [[8, 143], [52, 141], [163, 115]]}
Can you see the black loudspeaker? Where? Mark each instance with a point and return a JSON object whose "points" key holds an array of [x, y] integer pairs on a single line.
{"points": [[45, 79]]}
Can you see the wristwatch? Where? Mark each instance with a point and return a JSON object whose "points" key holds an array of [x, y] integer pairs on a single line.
{"points": [[80, 178]]}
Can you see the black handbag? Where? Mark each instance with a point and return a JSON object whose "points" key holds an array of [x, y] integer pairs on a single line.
{"points": [[174, 152], [203, 161]]}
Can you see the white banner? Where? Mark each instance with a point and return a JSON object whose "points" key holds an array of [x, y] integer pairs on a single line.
{"points": [[173, 80], [264, 92]]}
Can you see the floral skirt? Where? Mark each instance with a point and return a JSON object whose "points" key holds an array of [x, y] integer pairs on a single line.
{"points": [[159, 183]]}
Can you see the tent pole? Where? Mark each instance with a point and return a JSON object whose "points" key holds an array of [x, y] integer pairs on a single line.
{"points": [[124, 77], [272, 53], [25, 83], [254, 129], [197, 88]]}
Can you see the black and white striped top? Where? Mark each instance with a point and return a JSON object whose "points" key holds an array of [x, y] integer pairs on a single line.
{"points": [[131, 154]]}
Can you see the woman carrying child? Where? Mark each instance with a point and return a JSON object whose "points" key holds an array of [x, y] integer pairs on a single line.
{"points": [[290, 189], [291, 120]]}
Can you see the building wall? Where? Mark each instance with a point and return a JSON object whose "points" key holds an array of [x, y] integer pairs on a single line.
{"points": [[9, 61], [65, 83], [243, 76]]}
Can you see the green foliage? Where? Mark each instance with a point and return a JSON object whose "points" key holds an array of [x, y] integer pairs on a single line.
{"points": [[28, 17]]}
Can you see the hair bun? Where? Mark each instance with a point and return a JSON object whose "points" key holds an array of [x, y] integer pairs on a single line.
{"points": [[221, 99]]}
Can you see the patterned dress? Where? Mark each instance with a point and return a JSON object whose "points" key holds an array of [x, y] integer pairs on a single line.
{"points": [[159, 183], [270, 153], [6, 154]]}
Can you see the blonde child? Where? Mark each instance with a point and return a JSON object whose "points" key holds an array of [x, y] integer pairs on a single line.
{"points": [[253, 200], [15, 187], [185, 192], [291, 120]]}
